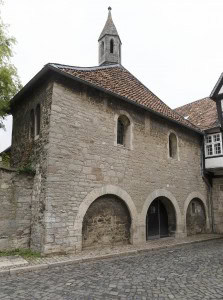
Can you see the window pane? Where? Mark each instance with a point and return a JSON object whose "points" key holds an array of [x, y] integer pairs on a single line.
{"points": [[217, 148], [209, 150], [208, 139], [216, 137]]}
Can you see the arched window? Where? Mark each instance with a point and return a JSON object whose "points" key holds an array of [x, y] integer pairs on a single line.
{"points": [[32, 124], [120, 132], [102, 48], [111, 46], [123, 131], [37, 120], [172, 145]]}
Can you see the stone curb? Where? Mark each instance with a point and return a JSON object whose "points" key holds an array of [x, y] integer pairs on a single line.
{"points": [[39, 267], [17, 270]]}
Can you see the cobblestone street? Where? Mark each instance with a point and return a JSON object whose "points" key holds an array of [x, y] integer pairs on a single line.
{"points": [[184, 272]]}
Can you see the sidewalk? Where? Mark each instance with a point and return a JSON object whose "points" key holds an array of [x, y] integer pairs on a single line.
{"points": [[10, 265]]}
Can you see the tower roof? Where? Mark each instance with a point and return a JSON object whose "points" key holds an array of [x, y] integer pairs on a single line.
{"points": [[109, 27]]}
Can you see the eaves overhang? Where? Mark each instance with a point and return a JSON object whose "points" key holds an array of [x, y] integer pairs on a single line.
{"points": [[217, 93], [29, 85], [50, 67]]}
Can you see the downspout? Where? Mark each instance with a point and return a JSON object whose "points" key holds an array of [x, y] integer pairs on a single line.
{"points": [[208, 182]]}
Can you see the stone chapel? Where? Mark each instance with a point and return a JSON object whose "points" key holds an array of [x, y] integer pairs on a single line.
{"points": [[99, 160]]}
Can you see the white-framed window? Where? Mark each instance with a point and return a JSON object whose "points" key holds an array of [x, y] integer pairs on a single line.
{"points": [[213, 144]]}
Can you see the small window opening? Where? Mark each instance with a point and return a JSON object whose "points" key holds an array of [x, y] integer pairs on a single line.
{"points": [[123, 131], [37, 120], [193, 207], [172, 145], [102, 48], [32, 124], [111, 46]]}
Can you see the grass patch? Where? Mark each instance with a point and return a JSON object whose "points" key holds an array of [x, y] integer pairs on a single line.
{"points": [[26, 253]]}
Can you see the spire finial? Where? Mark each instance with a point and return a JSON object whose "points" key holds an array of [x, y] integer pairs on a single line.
{"points": [[109, 8]]}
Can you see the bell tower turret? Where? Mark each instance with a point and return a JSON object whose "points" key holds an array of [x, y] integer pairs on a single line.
{"points": [[109, 43]]}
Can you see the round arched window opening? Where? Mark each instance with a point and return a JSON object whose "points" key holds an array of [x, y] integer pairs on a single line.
{"points": [[37, 120], [102, 50], [172, 145], [111, 46], [32, 124], [123, 131]]}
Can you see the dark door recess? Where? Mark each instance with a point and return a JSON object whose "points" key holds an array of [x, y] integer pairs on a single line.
{"points": [[157, 220]]}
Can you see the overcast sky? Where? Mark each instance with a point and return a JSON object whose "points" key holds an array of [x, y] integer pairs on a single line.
{"points": [[174, 47]]}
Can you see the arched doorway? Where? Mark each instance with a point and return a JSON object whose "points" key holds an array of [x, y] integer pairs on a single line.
{"points": [[196, 217], [107, 222], [161, 219]]}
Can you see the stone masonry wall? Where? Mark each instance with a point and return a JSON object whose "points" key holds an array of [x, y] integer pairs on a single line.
{"points": [[217, 200], [83, 156], [106, 223], [15, 212], [196, 219], [33, 152]]}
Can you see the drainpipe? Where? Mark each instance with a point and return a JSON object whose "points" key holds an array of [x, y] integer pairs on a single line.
{"points": [[208, 182]]}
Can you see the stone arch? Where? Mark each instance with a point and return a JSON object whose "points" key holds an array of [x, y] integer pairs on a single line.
{"points": [[191, 196], [107, 222], [154, 195], [95, 194]]}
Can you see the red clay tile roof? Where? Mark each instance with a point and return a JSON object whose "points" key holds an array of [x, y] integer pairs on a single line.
{"points": [[202, 113], [119, 81]]}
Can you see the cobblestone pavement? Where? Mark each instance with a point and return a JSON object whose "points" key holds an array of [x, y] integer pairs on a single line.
{"points": [[185, 272], [11, 263]]}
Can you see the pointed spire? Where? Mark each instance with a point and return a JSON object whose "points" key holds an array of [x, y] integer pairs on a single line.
{"points": [[109, 43], [109, 27]]}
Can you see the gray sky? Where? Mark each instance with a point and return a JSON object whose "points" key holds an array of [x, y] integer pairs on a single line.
{"points": [[174, 47]]}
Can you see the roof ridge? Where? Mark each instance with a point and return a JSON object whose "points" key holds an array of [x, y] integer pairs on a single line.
{"points": [[205, 98], [93, 68]]}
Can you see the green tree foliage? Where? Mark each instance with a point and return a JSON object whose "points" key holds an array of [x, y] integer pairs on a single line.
{"points": [[9, 80]]}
